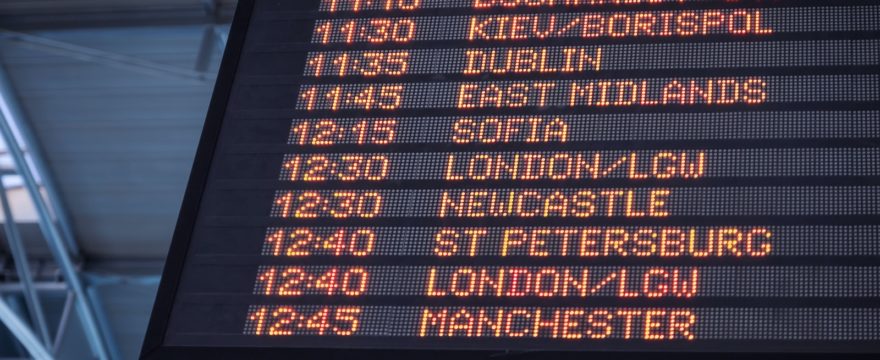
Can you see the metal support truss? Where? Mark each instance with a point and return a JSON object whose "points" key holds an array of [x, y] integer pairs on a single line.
{"points": [[10, 110], [11, 119], [104, 57], [22, 332], [16, 247]]}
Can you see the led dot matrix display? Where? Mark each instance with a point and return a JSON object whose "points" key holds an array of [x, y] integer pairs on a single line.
{"points": [[535, 175]]}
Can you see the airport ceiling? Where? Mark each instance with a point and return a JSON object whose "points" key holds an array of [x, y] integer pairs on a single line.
{"points": [[47, 14], [116, 92]]}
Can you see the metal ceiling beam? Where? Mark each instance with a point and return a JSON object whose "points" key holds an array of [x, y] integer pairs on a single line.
{"points": [[67, 14], [207, 49], [22, 332], [62, 329], [40, 286], [213, 39], [91, 280], [105, 58], [104, 323]]}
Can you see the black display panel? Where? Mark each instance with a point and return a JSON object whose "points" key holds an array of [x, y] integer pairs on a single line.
{"points": [[528, 178]]}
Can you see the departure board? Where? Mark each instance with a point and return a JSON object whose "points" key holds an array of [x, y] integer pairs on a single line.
{"points": [[526, 176]]}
